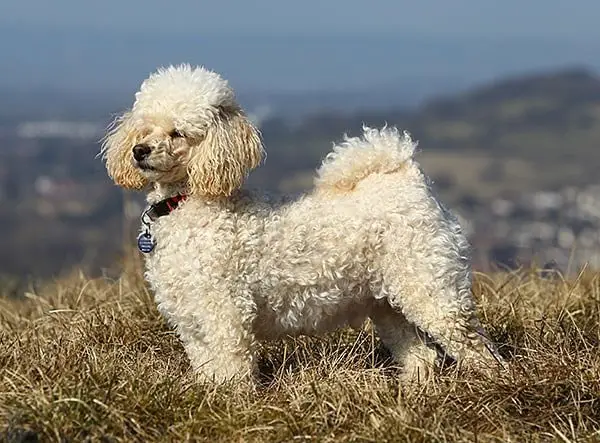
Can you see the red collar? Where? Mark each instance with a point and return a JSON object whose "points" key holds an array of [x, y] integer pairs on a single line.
{"points": [[165, 207]]}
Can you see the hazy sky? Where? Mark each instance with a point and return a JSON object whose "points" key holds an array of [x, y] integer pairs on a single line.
{"points": [[293, 44], [568, 19]]}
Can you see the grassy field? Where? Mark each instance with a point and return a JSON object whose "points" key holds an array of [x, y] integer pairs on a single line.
{"points": [[91, 360]]}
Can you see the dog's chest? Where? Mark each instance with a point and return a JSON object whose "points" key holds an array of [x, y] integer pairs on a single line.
{"points": [[185, 246], [198, 253]]}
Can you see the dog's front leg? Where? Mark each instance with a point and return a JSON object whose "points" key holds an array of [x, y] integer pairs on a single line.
{"points": [[219, 341], [220, 358]]}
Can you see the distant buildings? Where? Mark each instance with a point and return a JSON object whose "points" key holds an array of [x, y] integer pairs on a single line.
{"points": [[560, 229], [60, 129]]}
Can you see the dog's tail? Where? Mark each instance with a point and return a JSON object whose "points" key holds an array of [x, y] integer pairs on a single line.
{"points": [[378, 151]]}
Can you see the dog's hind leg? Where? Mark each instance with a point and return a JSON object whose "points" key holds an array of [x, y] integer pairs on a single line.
{"points": [[427, 276], [402, 339], [450, 320]]}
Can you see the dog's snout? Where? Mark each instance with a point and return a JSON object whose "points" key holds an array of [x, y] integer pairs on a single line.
{"points": [[140, 152]]}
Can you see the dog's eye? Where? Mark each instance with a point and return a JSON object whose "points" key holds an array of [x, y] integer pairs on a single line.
{"points": [[175, 134]]}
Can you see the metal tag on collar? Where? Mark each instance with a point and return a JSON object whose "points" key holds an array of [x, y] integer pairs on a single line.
{"points": [[146, 242]]}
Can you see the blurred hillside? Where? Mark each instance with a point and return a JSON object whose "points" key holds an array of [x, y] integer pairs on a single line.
{"points": [[519, 134], [500, 142]]}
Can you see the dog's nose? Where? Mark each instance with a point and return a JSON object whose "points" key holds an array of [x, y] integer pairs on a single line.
{"points": [[140, 152]]}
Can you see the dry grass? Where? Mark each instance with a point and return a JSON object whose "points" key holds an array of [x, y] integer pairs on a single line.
{"points": [[92, 360]]}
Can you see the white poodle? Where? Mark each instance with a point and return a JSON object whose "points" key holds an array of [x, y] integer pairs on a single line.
{"points": [[230, 268]]}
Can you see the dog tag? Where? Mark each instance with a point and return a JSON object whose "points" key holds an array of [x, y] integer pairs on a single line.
{"points": [[145, 242]]}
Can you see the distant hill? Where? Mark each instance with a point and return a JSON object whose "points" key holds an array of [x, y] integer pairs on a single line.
{"points": [[548, 115], [535, 131]]}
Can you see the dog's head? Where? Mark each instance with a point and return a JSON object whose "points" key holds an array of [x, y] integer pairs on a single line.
{"points": [[184, 127]]}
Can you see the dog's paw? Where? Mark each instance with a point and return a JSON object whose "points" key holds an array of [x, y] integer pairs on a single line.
{"points": [[418, 366], [483, 362]]}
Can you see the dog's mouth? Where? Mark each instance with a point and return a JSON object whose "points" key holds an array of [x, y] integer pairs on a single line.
{"points": [[147, 167], [144, 166]]}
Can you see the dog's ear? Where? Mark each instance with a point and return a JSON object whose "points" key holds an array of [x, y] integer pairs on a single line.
{"points": [[116, 151], [230, 148]]}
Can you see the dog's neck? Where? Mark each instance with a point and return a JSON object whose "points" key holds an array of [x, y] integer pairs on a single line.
{"points": [[161, 191]]}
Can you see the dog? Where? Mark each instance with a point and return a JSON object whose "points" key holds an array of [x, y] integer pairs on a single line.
{"points": [[230, 268]]}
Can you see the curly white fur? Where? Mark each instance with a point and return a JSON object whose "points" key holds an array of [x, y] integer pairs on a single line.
{"points": [[231, 268]]}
